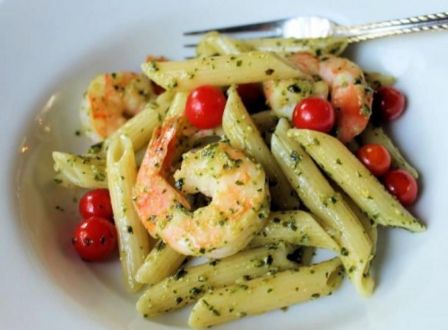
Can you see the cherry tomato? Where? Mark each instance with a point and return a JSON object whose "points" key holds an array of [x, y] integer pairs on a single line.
{"points": [[375, 157], [402, 185], [314, 113], [388, 103], [205, 106], [252, 96], [96, 203], [95, 239]]}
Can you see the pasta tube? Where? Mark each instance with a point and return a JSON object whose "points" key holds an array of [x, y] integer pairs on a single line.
{"points": [[377, 135], [377, 80], [318, 47], [190, 283], [307, 255], [357, 181], [321, 199], [139, 128], [243, 134], [294, 227], [160, 263], [204, 49], [133, 240], [87, 171], [266, 293], [177, 107], [369, 226], [221, 44], [265, 120], [220, 70]]}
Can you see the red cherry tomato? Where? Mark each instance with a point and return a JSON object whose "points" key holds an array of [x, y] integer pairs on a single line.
{"points": [[95, 239], [375, 157], [96, 203], [402, 185], [252, 96], [388, 104], [314, 113], [205, 106]]}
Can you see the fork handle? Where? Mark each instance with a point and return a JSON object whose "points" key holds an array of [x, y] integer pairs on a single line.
{"points": [[363, 32]]}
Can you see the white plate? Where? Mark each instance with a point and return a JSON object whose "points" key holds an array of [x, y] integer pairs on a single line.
{"points": [[48, 52]]}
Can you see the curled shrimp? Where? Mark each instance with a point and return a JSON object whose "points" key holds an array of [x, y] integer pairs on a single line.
{"points": [[111, 99], [236, 185], [350, 94]]}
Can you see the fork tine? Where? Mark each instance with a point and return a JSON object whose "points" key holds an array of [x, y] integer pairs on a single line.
{"points": [[254, 27]]}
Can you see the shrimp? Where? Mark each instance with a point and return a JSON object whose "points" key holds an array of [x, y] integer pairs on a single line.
{"points": [[237, 186], [350, 94], [111, 99]]}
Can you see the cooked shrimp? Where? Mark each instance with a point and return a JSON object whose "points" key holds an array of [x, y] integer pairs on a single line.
{"points": [[350, 94], [111, 99], [237, 186]]}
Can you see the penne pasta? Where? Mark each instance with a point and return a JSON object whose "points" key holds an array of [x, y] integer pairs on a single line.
{"points": [[204, 49], [177, 109], [221, 44], [307, 255], [377, 80], [243, 134], [377, 135], [370, 227], [265, 120], [318, 47], [177, 106], [294, 227], [160, 263], [188, 284], [87, 171], [133, 240], [220, 70], [357, 181], [321, 199], [266, 293]]}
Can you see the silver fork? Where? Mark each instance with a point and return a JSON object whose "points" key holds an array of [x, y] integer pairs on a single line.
{"points": [[319, 27]]}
